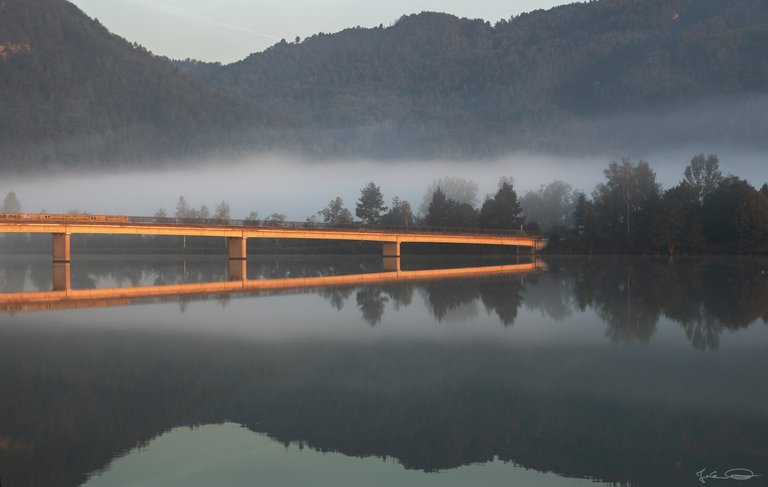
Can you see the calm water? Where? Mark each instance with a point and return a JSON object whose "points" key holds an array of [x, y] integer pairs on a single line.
{"points": [[630, 371]]}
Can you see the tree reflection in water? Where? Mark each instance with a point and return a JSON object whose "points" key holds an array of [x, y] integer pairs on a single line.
{"points": [[630, 295]]}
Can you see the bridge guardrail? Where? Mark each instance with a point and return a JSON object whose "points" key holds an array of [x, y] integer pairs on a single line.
{"points": [[326, 226]]}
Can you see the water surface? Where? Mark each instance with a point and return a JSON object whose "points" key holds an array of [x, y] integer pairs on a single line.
{"points": [[633, 371]]}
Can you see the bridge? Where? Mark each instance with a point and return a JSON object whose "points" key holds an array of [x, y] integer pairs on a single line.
{"points": [[237, 232]]}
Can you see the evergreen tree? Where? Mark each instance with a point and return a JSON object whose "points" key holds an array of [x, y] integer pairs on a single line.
{"points": [[370, 205], [11, 203], [438, 211], [182, 208], [458, 189], [503, 210]]}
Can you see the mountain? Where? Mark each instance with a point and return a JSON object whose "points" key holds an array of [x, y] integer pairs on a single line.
{"points": [[70, 91], [608, 75], [433, 84]]}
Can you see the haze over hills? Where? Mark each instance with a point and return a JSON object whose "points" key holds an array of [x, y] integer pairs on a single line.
{"points": [[611, 75]]}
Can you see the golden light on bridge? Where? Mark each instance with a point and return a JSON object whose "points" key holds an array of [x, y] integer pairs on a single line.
{"points": [[63, 226]]}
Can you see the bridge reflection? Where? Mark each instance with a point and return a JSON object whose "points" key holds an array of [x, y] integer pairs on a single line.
{"points": [[63, 296]]}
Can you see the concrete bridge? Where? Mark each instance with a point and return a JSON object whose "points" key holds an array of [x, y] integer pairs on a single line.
{"points": [[237, 232]]}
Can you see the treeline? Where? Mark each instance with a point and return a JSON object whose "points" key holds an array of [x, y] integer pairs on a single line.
{"points": [[628, 213], [450, 208], [705, 212]]}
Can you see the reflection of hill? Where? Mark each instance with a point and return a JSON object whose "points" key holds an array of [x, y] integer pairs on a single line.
{"points": [[71, 401]]}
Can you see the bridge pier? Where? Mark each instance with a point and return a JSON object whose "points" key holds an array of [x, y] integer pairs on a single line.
{"points": [[61, 245], [390, 249], [236, 246], [61, 276]]}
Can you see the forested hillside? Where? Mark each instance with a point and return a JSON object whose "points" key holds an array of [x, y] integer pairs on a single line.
{"points": [[608, 75], [72, 92], [433, 84]]}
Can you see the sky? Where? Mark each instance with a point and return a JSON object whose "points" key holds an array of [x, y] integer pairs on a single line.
{"points": [[229, 30]]}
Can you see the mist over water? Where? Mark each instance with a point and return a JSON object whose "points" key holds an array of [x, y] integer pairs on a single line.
{"points": [[299, 188]]}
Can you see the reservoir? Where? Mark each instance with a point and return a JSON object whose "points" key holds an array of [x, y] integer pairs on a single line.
{"points": [[575, 371]]}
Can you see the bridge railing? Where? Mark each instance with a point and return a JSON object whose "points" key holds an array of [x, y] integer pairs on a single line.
{"points": [[266, 223], [313, 225]]}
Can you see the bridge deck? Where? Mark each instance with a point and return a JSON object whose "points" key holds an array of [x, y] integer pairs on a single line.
{"points": [[123, 226]]}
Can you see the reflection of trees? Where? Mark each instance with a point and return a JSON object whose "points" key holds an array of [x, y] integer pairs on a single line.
{"points": [[628, 313], [337, 296], [370, 298], [736, 294], [400, 293], [224, 300], [371, 301], [13, 276], [504, 297], [703, 332], [79, 279], [551, 293], [703, 296], [621, 292], [443, 297]]}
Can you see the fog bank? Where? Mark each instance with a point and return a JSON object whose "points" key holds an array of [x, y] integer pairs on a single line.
{"points": [[299, 188]]}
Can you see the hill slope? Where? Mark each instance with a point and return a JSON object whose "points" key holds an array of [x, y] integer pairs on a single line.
{"points": [[433, 84], [71, 91], [611, 75]]}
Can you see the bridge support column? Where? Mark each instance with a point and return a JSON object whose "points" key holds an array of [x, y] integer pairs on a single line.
{"points": [[61, 247], [236, 247], [391, 264], [61, 276], [237, 270], [391, 249]]}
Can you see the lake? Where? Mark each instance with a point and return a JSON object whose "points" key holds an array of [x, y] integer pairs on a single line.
{"points": [[577, 371]]}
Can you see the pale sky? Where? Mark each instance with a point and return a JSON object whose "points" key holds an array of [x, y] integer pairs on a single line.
{"points": [[229, 30]]}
